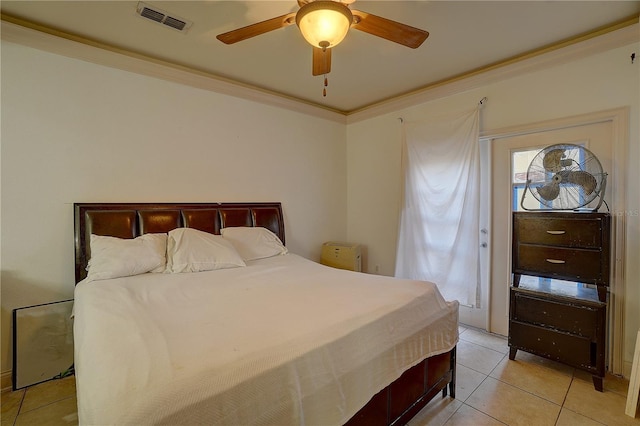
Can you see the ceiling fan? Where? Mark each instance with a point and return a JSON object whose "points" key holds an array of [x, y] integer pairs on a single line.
{"points": [[325, 23]]}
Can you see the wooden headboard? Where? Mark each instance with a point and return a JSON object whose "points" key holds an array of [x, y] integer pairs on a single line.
{"points": [[129, 220]]}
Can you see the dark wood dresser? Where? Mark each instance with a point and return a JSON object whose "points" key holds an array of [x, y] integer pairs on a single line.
{"points": [[558, 298]]}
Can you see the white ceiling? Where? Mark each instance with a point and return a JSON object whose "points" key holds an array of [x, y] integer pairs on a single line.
{"points": [[464, 36]]}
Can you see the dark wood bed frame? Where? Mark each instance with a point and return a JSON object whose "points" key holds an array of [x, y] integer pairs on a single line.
{"points": [[394, 405]]}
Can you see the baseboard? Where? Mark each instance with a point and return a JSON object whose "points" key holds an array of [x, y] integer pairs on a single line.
{"points": [[5, 381]]}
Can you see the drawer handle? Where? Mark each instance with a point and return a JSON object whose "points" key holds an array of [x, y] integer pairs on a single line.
{"points": [[558, 261], [556, 232]]}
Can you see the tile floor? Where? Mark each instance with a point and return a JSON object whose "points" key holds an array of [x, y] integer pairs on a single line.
{"points": [[50, 403], [531, 391], [491, 390]]}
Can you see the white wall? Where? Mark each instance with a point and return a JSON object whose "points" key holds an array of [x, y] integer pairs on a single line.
{"points": [[599, 82], [74, 131]]}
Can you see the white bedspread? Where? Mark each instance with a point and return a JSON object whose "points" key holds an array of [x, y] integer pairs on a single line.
{"points": [[282, 341]]}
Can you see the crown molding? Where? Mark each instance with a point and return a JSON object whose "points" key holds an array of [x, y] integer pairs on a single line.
{"points": [[621, 34], [43, 38]]}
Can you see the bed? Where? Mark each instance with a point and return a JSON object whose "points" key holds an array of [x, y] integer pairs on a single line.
{"points": [[271, 338]]}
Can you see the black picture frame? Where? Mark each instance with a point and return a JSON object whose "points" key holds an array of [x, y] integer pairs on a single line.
{"points": [[42, 343]]}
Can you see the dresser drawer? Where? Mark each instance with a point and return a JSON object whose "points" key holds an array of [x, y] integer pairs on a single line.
{"points": [[578, 319], [559, 262], [563, 347], [574, 231]]}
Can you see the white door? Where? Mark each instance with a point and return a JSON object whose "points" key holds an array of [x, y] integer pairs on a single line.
{"points": [[477, 315], [506, 162]]}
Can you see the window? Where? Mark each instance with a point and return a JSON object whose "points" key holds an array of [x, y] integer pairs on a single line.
{"points": [[520, 161]]}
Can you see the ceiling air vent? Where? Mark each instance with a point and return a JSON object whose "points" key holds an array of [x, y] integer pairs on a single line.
{"points": [[162, 17]]}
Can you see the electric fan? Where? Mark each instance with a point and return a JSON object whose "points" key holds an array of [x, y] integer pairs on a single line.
{"points": [[565, 177]]}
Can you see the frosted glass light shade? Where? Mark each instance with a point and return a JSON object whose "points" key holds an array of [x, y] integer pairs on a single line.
{"points": [[324, 23]]}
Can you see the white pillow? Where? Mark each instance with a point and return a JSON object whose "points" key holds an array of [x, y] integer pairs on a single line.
{"points": [[191, 250], [254, 242], [113, 257]]}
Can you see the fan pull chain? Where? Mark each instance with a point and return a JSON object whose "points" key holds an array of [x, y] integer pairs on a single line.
{"points": [[326, 83]]}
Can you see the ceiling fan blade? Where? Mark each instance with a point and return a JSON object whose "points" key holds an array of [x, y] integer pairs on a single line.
{"points": [[253, 30], [391, 30], [321, 61], [549, 191], [585, 179]]}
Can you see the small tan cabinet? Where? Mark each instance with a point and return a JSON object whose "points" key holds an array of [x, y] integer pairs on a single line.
{"points": [[342, 255]]}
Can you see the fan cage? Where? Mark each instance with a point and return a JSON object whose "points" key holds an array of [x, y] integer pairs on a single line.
{"points": [[565, 177]]}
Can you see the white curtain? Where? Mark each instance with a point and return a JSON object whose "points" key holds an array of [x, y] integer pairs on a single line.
{"points": [[439, 227]]}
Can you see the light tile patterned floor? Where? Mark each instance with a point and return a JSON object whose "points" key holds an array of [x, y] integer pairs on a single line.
{"points": [[530, 390], [50, 403], [491, 390]]}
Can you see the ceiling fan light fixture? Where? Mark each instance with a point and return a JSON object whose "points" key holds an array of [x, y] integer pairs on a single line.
{"points": [[324, 23]]}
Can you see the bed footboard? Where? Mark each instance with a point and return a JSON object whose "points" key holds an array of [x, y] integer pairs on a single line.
{"points": [[403, 399]]}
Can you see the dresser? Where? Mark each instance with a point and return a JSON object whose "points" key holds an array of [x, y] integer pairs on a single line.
{"points": [[558, 297]]}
